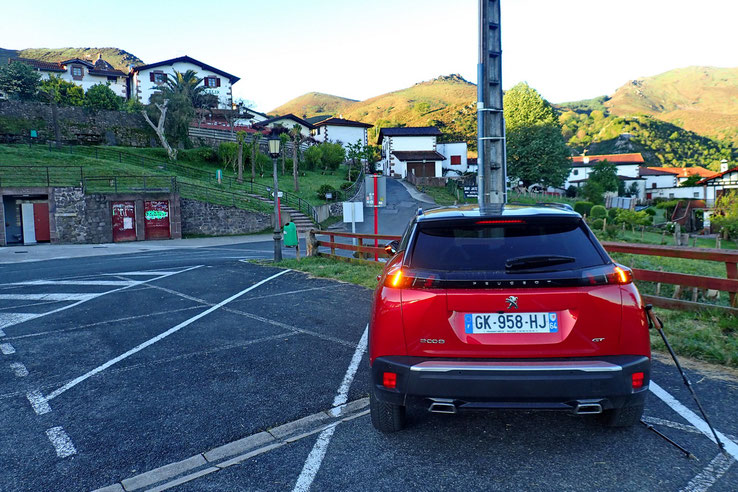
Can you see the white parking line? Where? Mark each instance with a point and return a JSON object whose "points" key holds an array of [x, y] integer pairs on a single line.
{"points": [[19, 369], [691, 417], [161, 336], [7, 348], [38, 402], [10, 319], [315, 458], [61, 441], [111, 283], [711, 474], [49, 297]]}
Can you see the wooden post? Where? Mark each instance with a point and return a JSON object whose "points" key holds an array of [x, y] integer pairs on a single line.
{"points": [[694, 294], [732, 272], [311, 244], [361, 253], [677, 292], [604, 224], [333, 240], [658, 285]]}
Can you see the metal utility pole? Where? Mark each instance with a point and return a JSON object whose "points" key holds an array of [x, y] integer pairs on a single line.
{"points": [[492, 178]]}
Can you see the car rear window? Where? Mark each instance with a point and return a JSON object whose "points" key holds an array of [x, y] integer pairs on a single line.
{"points": [[489, 246]]}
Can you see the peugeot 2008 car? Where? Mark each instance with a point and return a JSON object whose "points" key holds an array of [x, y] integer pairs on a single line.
{"points": [[519, 309]]}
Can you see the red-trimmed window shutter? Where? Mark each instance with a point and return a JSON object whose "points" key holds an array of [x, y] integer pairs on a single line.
{"points": [[217, 81], [151, 76], [455, 160]]}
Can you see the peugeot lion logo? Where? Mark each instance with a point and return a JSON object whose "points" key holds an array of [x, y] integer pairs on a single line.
{"points": [[512, 302]]}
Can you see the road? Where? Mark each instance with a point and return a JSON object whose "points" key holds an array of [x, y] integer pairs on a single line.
{"points": [[394, 218], [195, 368]]}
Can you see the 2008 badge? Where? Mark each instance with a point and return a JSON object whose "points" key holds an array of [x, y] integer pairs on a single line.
{"points": [[432, 340]]}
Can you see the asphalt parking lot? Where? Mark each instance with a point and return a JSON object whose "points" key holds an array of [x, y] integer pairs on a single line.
{"points": [[199, 370]]}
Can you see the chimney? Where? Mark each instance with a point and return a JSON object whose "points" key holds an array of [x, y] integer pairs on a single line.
{"points": [[723, 165]]}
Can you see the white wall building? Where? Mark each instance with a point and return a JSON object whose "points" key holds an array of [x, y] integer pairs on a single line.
{"points": [[724, 182], [341, 131], [582, 165], [411, 149], [83, 73], [287, 121], [148, 79], [455, 158]]}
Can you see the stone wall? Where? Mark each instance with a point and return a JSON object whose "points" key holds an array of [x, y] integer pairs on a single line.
{"points": [[77, 125], [214, 220]]}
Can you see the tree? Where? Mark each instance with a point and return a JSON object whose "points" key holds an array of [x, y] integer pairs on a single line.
{"points": [[240, 137], [179, 115], [159, 127], [62, 92], [297, 139], [691, 180], [354, 153], [602, 178], [333, 155], [536, 151], [19, 81], [725, 215], [101, 96], [283, 139], [313, 157]]}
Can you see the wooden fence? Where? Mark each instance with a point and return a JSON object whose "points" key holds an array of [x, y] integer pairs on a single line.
{"points": [[366, 249]]}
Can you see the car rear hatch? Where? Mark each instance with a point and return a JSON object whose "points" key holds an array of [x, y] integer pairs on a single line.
{"points": [[532, 287]]}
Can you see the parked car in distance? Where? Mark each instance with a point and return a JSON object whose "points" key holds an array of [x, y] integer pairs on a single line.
{"points": [[519, 309]]}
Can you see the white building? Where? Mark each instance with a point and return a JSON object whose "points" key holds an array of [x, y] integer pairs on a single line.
{"points": [[627, 166], [411, 149], [83, 73], [287, 121], [455, 158], [146, 80], [721, 183], [657, 179], [341, 131]]}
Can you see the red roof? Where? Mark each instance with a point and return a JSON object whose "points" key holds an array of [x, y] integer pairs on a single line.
{"points": [[685, 172], [39, 64], [614, 158], [718, 175]]}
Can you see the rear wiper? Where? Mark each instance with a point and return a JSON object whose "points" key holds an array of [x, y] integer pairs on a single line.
{"points": [[536, 261]]}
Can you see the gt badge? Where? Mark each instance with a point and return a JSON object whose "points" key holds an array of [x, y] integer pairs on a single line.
{"points": [[512, 302]]}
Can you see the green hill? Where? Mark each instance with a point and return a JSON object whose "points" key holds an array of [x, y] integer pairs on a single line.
{"points": [[703, 100], [120, 59], [447, 102], [314, 104]]}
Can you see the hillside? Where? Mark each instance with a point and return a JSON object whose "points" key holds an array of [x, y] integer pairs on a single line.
{"points": [[699, 99], [120, 59], [447, 102], [314, 104]]}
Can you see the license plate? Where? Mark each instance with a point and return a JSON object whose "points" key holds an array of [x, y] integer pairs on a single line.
{"points": [[511, 323]]}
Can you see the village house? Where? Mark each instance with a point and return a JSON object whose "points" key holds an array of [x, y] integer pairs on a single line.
{"points": [[411, 150], [83, 73], [455, 162], [341, 131], [582, 165], [148, 79], [287, 121]]}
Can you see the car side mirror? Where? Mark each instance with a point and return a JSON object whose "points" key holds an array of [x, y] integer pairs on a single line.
{"points": [[391, 247]]}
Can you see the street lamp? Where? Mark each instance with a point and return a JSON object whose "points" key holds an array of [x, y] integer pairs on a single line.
{"points": [[274, 142]]}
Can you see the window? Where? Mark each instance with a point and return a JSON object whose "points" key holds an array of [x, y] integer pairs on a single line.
{"points": [[653, 185], [455, 160], [113, 79], [158, 77], [696, 194], [671, 195], [212, 82], [575, 172], [76, 71]]}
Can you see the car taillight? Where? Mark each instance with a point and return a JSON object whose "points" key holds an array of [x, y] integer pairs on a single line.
{"points": [[611, 274], [637, 379], [398, 278], [389, 380]]}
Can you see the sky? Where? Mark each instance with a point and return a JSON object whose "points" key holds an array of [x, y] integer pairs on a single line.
{"points": [[281, 49]]}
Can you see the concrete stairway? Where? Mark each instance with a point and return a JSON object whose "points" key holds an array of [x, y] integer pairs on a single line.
{"points": [[303, 222]]}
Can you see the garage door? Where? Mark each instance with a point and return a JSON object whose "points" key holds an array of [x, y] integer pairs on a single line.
{"points": [[124, 221], [156, 219], [422, 169]]}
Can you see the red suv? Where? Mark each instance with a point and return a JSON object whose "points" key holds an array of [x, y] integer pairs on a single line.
{"points": [[518, 309]]}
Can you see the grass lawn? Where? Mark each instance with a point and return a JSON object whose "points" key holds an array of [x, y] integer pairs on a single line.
{"points": [[706, 335], [650, 237]]}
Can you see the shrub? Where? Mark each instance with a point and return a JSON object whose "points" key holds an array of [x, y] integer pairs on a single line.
{"points": [[326, 188], [313, 158], [583, 208], [333, 155], [346, 185], [572, 191], [650, 211], [612, 213], [598, 224], [598, 212], [207, 154], [612, 231], [101, 96]]}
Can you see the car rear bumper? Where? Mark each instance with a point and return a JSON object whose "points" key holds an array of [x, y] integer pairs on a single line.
{"points": [[548, 384]]}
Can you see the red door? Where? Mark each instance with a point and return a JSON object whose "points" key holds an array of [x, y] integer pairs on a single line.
{"points": [[156, 219], [41, 221], [124, 221]]}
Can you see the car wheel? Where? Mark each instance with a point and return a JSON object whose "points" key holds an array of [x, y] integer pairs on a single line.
{"points": [[386, 417], [622, 417]]}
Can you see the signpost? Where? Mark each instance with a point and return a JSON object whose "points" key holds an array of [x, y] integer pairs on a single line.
{"points": [[353, 212], [376, 196]]}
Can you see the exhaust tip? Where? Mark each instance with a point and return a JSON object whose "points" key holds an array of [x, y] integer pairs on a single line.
{"points": [[588, 409], [442, 406]]}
